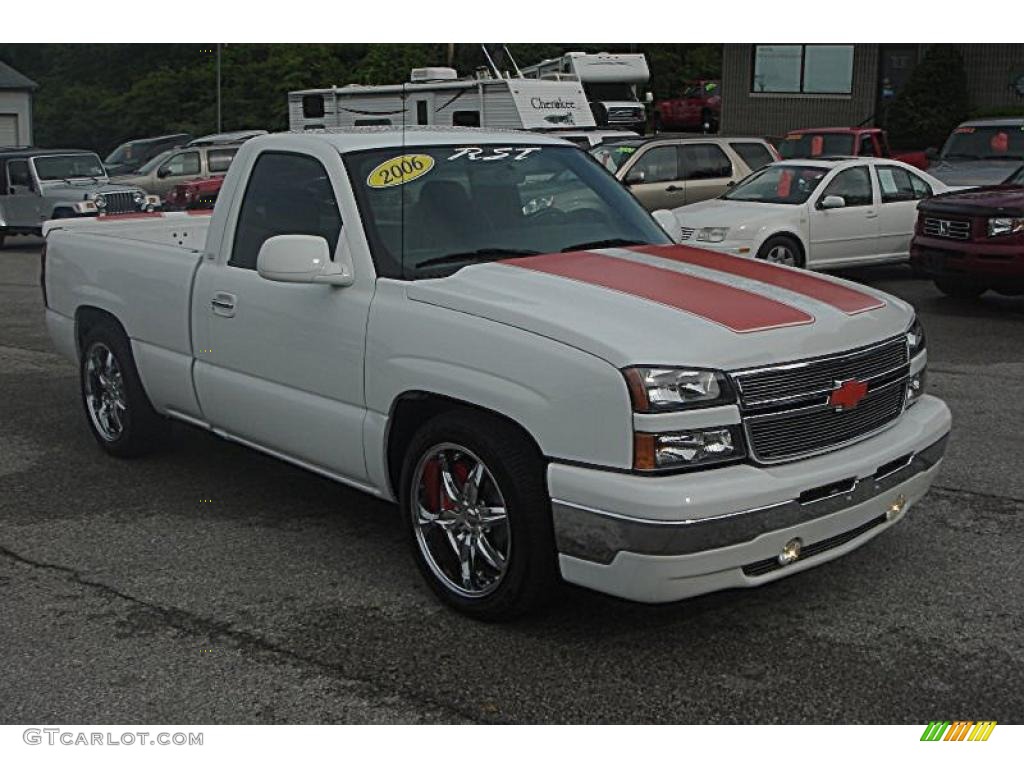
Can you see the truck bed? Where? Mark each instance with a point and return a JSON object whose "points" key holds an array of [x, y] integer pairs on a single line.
{"points": [[138, 268]]}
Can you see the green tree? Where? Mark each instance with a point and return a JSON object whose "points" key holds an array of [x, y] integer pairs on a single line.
{"points": [[933, 101]]}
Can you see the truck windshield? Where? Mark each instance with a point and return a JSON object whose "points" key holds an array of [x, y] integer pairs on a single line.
{"points": [[53, 167], [431, 210], [1000, 142], [798, 145], [613, 155], [782, 184], [609, 92]]}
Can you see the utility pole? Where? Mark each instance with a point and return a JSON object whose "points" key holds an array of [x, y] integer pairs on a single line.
{"points": [[218, 88]]}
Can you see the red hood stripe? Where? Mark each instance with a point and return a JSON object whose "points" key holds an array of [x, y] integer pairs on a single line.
{"points": [[842, 298], [736, 309]]}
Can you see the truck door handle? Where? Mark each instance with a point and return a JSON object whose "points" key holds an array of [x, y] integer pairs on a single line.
{"points": [[223, 304], [673, 188], [871, 215]]}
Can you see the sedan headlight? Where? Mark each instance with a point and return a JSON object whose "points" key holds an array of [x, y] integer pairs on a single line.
{"points": [[915, 338], [997, 227], [690, 448], [712, 234], [653, 390]]}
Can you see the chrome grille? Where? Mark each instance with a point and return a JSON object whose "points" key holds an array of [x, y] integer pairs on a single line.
{"points": [[954, 229], [686, 233], [786, 411], [624, 114], [120, 202]]}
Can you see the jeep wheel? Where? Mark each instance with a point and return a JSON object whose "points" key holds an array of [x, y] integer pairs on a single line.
{"points": [[474, 500]]}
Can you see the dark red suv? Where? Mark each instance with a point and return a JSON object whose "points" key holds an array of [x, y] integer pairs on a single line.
{"points": [[970, 242]]}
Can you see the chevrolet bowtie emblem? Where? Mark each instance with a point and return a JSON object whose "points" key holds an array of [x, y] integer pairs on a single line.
{"points": [[845, 395]]}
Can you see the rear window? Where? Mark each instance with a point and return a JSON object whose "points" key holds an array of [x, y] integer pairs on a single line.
{"points": [[754, 154], [816, 145]]}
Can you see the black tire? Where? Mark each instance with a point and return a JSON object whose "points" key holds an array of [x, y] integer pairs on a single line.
{"points": [[2, 238], [142, 429], [531, 574], [959, 287], [789, 244], [656, 123]]}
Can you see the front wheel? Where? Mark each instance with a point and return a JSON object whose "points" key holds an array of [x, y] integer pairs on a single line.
{"points": [[781, 249], [475, 502]]}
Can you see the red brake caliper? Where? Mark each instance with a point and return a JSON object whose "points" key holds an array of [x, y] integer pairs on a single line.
{"points": [[436, 500]]}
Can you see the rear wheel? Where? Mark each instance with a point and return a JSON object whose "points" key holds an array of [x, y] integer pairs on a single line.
{"points": [[474, 500], [121, 417], [959, 288], [781, 249]]}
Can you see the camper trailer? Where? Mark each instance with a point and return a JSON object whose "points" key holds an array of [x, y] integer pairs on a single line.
{"points": [[437, 96], [610, 81]]}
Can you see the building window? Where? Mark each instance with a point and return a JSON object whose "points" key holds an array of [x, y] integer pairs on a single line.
{"points": [[802, 69], [466, 118], [313, 106]]}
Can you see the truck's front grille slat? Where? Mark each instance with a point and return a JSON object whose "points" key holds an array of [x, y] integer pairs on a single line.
{"points": [[119, 202], [785, 409]]}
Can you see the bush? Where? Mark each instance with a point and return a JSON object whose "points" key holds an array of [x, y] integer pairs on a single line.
{"points": [[934, 101]]}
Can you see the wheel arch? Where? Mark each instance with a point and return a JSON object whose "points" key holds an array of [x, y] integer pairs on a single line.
{"points": [[414, 408], [88, 317], [787, 233]]}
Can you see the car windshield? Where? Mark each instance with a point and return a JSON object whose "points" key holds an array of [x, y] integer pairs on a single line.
{"points": [[612, 155], [431, 210], [1016, 178], [1002, 142], [797, 145], [154, 162], [52, 167], [122, 154], [784, 184]]}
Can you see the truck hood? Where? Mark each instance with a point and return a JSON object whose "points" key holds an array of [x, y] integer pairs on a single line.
{"points": [[743, 219], [993, 201], [973, 173], [81, 190], [672, 305]]}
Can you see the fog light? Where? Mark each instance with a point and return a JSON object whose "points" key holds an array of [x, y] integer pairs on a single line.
{"points": [[790, 552], [896, 508]]}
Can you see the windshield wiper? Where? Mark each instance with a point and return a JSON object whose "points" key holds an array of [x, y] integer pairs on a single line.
{"points": [[614, 242], [479, 254]]}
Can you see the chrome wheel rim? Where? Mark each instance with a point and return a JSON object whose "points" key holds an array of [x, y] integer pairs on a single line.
{"points": [[104, 392], [460, 520], [781, 254]]}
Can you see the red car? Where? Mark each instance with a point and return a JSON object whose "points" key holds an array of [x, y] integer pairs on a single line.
{"points": [[194, 195], [698, 108], [970, 242], [845, 142]]}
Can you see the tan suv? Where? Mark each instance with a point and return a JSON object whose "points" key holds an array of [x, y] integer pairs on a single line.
{"points": [[670, 171], [178, 166]]}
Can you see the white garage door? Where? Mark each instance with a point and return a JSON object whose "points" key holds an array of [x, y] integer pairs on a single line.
{"points": [[8, 130]]}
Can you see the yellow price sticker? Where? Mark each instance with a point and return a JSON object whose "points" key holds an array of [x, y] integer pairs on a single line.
{"points": [[399, 170]]}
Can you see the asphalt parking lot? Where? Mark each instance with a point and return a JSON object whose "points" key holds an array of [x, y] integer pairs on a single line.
{"points": [[211, 584]]}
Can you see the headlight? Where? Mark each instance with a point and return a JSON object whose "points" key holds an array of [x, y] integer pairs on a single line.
{"points": [[695, 447], [915, 338], [653, 390], [99, 200], [139, 197], [712, 234], [1005, 226]]}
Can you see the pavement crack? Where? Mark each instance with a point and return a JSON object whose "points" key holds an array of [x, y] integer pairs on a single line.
{"points": [[979, 494], [216, 630]]}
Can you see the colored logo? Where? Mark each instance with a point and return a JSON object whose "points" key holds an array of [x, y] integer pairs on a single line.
{"points": [[847, 394], [958, 730], [399, 170]]}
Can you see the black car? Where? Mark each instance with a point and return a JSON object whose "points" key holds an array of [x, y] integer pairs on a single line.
{"points": [[131, 155]]}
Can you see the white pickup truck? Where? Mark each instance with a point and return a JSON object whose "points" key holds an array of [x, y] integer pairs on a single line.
{"points": [[488, 329]]}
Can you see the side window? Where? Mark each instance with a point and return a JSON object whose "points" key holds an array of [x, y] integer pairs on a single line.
{"points": [[704, 161], [181, 164], [753, 154], [853, 185], [18, 174], [421, 112], [659, 164], [219, 159], [313, 105], [466, 118], [922, 188], [867, 146], [894, 184], [287, 194]]}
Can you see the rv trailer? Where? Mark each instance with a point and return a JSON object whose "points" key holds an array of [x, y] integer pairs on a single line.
{"points": [[610, 81], [437, 96]]}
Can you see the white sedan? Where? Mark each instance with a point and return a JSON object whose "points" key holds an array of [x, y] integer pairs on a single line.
{"points": [[815, 213]]}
